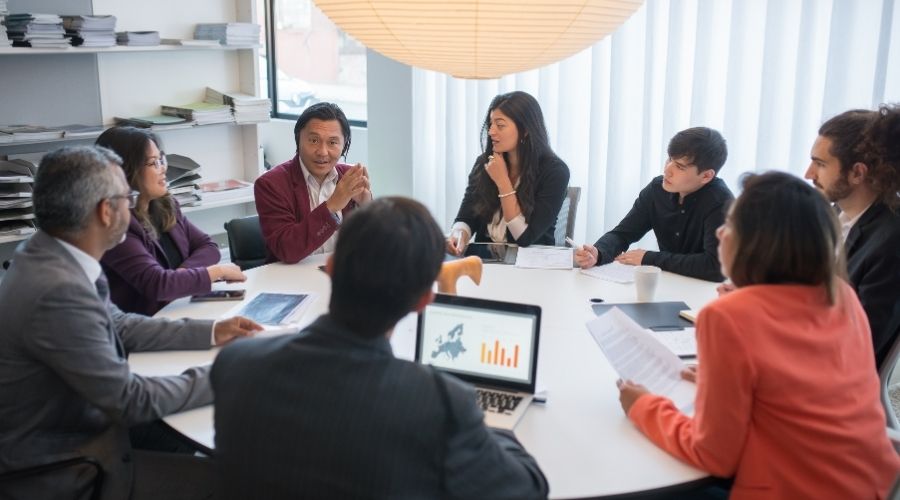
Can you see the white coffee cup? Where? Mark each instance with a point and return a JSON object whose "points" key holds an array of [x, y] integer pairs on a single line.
{"points": [[645, 280]]}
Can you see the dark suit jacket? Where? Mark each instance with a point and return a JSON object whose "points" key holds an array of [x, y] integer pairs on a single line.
{"points": [[550, 191], [65, 386], [327, 414], [873, 266], [141, 279], [292, 231]]}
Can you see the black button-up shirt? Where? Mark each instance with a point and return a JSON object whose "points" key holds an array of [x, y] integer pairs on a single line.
{"points": [[685, 232]]}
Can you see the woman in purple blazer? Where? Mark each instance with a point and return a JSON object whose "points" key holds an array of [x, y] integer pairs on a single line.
{"points": [[163, 256]]}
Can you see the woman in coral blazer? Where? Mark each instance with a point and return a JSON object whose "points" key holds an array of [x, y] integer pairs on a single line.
{"points": [[787, 393]]}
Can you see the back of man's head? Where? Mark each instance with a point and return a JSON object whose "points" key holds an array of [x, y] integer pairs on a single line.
{"points": [[845, 133], [880, 150], [387, 256], [69, 183], [703, 146]]}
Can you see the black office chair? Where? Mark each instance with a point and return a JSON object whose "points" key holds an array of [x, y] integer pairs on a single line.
{"points": [[565, 220], [79, 478], [245, 242]]}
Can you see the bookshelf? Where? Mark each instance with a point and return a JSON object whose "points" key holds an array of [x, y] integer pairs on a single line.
{"points": [[55, 87]]}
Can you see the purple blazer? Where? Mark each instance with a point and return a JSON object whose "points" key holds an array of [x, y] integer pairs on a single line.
{"points": [[140, 277]]}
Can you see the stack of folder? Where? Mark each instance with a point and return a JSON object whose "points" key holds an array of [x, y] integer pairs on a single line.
{"points": [[229, 33], [91, 31], [36, 30], [203, 113], [16, 209], [246, 108], [138, 38], [183, 178]]}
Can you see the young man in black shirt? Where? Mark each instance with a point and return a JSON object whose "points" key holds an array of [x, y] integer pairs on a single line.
{"points": [[683, 207]]}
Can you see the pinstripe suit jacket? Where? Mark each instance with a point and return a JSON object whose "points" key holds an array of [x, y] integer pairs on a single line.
{"points": [[328, 414], [65, 386]]}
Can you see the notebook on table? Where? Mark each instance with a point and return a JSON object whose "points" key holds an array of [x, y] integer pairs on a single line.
{"points": [[492, 345]]}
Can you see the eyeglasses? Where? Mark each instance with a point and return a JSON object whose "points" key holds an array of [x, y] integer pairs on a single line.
{"points": [[131, 197], [156, 163]]}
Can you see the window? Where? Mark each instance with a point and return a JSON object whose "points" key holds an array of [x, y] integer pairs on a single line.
{"points": [[312, 60]]}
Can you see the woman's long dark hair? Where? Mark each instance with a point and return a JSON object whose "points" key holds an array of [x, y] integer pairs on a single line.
{"points": [[130, 144], [525, 112]]}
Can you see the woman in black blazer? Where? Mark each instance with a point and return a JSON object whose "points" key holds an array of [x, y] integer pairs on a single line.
{"points": [[517, 184]]}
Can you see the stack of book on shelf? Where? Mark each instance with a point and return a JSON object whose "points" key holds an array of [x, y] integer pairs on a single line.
{"points": [[4, 10], [43, 31], [21, 133], [225, 190], [246, 108], [91, 31], [182, 179], [238, 34], [138, 38], [16, 210], [155, 122], [203, 113]]}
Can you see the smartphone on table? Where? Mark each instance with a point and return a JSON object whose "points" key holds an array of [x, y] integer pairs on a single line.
{"points": [[216, 295]]}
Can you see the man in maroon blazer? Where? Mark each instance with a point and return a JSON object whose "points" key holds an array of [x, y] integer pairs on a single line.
{"points": [[302, 202]]}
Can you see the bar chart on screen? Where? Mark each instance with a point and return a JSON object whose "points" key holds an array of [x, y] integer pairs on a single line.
{"points": [[495, 354]]}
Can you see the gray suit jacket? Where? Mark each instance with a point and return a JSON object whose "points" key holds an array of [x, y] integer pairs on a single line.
{"points": [[65, 386], [328, 414]]}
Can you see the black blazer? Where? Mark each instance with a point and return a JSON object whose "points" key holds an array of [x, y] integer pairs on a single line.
{"points": [[328, 414], [550, 191], [873, 266]]}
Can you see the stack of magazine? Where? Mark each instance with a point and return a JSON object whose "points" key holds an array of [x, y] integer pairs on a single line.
{"points": [[19, 133], [16, 209], [246, 108], [91, 31], [36, 30], [225, 190], [229, 33], [138, 38], [203, 113], [183, 179]]}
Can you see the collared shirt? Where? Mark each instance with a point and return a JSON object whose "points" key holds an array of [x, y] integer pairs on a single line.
{"points": [[685, 232], [847, 223], [318, 194]]}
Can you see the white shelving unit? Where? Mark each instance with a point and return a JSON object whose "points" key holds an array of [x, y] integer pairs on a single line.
{"points": [[56, 87]]}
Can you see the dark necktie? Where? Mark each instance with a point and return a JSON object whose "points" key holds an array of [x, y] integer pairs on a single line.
{"points": [[102, 285]]}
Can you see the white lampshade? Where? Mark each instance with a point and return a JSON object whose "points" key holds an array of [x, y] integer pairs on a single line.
{"points": [[478, 38]]}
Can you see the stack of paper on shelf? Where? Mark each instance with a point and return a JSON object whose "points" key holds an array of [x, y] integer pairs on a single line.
{"points": [[36, 30], [77, 130], [155, 122], [17, 133], [181, 171], [229, 33], [246, 108], [91, 31], [203, 113], [138, 38], [226, 189], [16, 180]]}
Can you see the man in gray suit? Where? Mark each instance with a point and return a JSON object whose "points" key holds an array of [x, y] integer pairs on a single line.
{"points": [[331, 413], [65, 387]]}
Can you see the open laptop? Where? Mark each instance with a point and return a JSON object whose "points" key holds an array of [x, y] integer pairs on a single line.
{"points": [[492, 345]]}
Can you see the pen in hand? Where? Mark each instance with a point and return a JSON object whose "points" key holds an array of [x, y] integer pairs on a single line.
{"points": [[571, 242]]}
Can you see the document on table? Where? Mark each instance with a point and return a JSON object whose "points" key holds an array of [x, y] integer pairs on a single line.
{"points": [[278, 313], [637, 356], [541, 257], [614, 271]]}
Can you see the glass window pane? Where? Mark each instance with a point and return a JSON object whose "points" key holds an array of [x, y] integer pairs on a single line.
{"points": [[315, 61]]}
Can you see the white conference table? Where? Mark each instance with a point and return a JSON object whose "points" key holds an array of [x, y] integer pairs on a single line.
{"points": [[581, 438]]}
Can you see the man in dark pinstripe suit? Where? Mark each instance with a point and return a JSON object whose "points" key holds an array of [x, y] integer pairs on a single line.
{"points": [[331, 413]]}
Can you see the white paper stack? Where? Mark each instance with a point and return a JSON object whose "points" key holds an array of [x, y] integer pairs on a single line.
{"points": [[203, 113], [36, 30], [246, 108], [91, 31], [138, 38], [229, 33]]}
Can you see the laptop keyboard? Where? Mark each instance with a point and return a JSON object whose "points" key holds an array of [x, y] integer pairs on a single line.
{"points": [[496, 401]]}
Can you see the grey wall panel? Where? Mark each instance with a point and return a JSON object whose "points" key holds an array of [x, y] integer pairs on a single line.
{"points": [[55, 89], [51, 6]]}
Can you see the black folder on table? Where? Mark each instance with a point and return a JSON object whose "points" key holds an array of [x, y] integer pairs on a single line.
{"points": [[657, 316]]}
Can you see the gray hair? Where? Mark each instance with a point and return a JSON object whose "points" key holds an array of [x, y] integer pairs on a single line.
{"points": [[69, 183]]}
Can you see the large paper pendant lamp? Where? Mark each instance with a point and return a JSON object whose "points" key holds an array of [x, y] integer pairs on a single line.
{"points": [[478, 38]]}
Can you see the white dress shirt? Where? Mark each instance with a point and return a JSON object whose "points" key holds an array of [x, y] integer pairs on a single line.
{"points": [[318, 194]]}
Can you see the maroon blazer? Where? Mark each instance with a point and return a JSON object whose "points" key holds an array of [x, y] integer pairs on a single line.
{"points": [[140, 277], [292, 231]]}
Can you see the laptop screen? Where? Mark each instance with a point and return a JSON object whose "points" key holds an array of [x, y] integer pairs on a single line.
{"points": [[482, 341]]}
